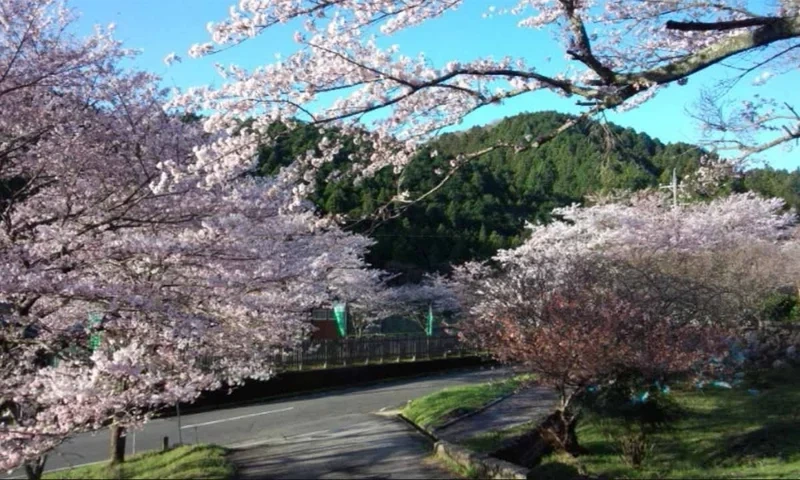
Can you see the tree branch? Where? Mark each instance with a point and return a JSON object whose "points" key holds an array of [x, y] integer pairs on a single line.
{"points": [[779, 29], [720, 26], [584, 53]]}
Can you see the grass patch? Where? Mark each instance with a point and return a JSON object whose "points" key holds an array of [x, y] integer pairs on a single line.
{"points": [[558, 466], [191, 461], [460, 470], [724, 434], [437, 408]]}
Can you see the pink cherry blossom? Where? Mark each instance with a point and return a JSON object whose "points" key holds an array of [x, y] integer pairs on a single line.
{"points": [[116, 208], [349, 72]]}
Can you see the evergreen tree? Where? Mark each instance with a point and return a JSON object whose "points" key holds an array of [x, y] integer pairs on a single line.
{"points": [[485, 205]]}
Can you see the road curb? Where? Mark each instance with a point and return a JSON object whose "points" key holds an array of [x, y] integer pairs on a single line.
{"points": [[481, 464], [424, 431]]}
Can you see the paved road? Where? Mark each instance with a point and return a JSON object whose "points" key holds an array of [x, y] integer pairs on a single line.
{"points": [[328, 435], [368, 447]]}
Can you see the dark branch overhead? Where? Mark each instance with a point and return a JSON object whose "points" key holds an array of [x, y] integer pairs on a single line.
{"points": [[720, 26]]}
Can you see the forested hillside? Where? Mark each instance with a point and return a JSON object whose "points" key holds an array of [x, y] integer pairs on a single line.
{"points": [[484, 206]]}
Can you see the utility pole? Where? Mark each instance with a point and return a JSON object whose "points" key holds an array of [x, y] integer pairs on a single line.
{"points": [[674, 187]]}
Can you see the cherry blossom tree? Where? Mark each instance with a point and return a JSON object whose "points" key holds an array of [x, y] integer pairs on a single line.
{"points": [[580, 334], [347, 71], [618, 287], [370, 298], [362, 290], [142, 264], [413, 301]]}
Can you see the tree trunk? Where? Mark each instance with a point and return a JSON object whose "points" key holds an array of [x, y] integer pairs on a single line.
{"points": [[117, 444], [35, 469], [558, 430], [571, 437]]}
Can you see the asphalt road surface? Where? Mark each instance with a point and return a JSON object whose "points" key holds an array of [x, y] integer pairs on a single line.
{"points": [[338, 434]]}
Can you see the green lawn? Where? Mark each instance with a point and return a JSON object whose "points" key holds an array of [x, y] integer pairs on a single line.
{"points": [[193, 461], [724, 434], [437, 408]]}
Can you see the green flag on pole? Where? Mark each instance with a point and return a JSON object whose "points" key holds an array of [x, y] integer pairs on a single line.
{"points": [[429, 326], [340, 315]]}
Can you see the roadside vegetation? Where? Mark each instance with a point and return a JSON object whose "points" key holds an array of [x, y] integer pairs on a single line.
{"points": [[749, 431], [437, 408], [741, 432], [461, 471], [191, 461]]}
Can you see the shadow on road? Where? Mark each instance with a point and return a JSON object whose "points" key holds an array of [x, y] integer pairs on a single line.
{"points": [[376, 448]]}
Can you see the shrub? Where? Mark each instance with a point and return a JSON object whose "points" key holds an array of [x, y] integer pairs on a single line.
{"points": [[781, 307], [623, 400], [635, 447]]}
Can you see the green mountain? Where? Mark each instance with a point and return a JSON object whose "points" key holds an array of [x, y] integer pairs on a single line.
{"points": [[486, 203]]}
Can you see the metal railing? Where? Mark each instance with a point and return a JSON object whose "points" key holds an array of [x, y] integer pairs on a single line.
{"points": [[352, 351]]}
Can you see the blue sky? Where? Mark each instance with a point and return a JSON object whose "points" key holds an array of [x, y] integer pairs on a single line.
{"points": [[159, 27]]}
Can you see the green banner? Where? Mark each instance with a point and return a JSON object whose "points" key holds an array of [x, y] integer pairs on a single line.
{"points": [[340, 315], [95, 337], [429, 326]]}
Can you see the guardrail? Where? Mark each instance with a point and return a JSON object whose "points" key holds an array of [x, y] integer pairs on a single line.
{"points": [[352, 351]]}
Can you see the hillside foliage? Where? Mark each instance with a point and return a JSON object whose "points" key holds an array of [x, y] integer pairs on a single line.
{"points": [[485, 205]]}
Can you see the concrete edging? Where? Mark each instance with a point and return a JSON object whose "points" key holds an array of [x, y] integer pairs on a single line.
{"points": [[424, 431], [483, 465]]}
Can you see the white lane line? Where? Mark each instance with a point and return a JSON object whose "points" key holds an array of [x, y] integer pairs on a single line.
{"points": [[253, 443], [305, 434], [214, 422]]}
